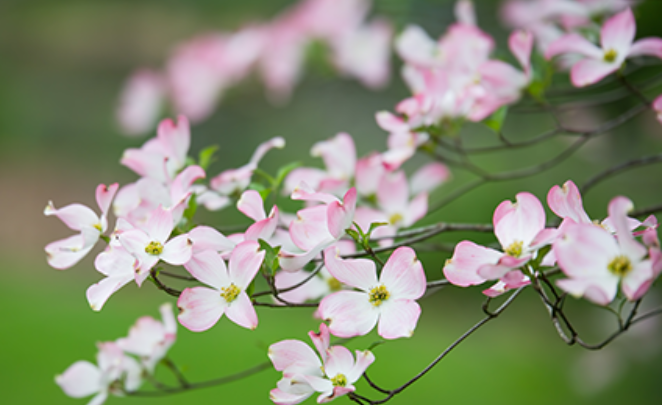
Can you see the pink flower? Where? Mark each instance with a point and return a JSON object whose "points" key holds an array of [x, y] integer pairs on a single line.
{"points": [[596, 262], [119, 267], [150, 339], [162, 157], [304, 373], [114, 373], [520, 229], [616, 38], [64, 253], [657, 106], [140, 102], [201, 307], [150, 243], [389, 301]]}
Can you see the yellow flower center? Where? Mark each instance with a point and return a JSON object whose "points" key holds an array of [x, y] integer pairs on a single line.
{"points": [[154, 248], [610, 55], [98, 227], [515, 249], [620, 266], [378, 295], [230, 293], [339, 380], [395, 218], [334, 284]]}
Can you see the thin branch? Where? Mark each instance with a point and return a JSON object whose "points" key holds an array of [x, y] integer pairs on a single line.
{"points": [[631, 164]]}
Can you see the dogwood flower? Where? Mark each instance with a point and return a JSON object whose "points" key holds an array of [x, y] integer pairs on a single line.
{"points": [[64, 253], [304, 373], [388, 301], [616, 40], [115, 373], [150, 339], [596, 262], [201, 307]]}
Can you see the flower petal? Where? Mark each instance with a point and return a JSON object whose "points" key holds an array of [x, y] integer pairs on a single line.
{"points": [[80, 380], [200, 308], [245, 262], [359, 273], [208, 267], [618, 32], [178, 250], [349, 313], [403, 275], [398, 319], [468, 257], [573, 43], [241, 312], [647, 46], [287, 352], [97, 294], [589, 71]]}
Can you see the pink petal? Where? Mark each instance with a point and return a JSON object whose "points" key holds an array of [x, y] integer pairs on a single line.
{"points": [[65, 253], [573, 43], [200, 308], [647, 46], [104, 196], [363, 360], [589, 71], [208, 238], [493, 271], [566, 202], [428, 177], [75, 216], [349, 313], [462, 268], [264, 147], [80, 380], [341, 215], [415, 46], [599, 291], [295, 261], [618, 209], [359, 273], [618, 32], [177, 250], [241, 312], [180, 188], [416, 209], [245, 262], [403, 275], [339, 361], [339, 155], [369, 170], [252, 205], [311, 176], [398, 319], [521, 224], [310, 228], [176, 139], [285, 398], [636, 283], [584, 251], [287, 352], [263, 229], [159, 225], [140, 102], [393, 192], [520, 44], [305, 192], [464, 12], [391, 123], [321, 340], [97, 294], [208, 267]]}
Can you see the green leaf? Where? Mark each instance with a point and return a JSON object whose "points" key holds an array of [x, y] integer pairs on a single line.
{"points": [[206, 156], [496, 120], [190, 210], [251, 288], [374, 226], [271, 256], [375, 344], [265, 175], [284, 171], [355, 235]]}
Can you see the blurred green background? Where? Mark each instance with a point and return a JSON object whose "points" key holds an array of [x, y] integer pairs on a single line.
{"points": [[62, 65]]}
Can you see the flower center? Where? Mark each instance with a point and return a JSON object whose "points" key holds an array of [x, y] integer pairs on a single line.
{"points": [[395, 218], [230, 293], [515, 249], [610, 55], [154, 248], [334, 284], [339, 380], [98, 227], [620, 266], [378, 295]]}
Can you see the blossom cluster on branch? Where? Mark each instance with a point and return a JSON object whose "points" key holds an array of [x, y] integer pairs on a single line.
{"points": [[349, 251]]}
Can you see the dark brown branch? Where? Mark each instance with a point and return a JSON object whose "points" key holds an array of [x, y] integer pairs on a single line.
{"points": [[631, 164]]}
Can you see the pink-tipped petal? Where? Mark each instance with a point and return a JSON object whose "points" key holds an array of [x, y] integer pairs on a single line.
{"points": [[104, 196], [75, 216], [241, 312], [97, 294], [521, 224], [618, 32], [398, 319], [200, 308], [618, 209], [359, 273], [159, 225], [636, 283], [647, 46], [566, 202], [80, 380], [341, 215], [589, 71], [462, 268], [245, 262], [520, 44], [428, 177], [65, 253], [252, 205], [393, 192], [208, 267], [263, 148], [403, 275], [208, 238], [583, 251], [178, 250], [573, 43], [349, 313], [363, 360], [339, 155], [321, 340], [339, 361], [599, 291], [287, 352]]}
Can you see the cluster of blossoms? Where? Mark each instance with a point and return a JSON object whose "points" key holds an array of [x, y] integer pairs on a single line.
{"points": [[595, 256], [352, 205], [155, 227], [200, 70], [122, 364]]}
